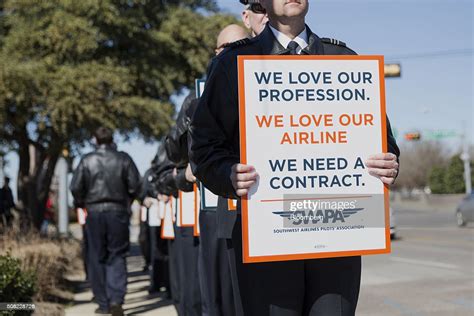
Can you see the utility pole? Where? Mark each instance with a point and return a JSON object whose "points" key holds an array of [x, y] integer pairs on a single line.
{"points": [[63, 216], [467, 161]]}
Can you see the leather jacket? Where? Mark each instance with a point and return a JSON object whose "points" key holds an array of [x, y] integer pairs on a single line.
{"points": [[176, 142], [105, 179], [147, 188], [163, 179]]}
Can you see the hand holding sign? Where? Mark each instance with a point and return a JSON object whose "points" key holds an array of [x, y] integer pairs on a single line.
{"points": [[189, 174], [243, 177], [383, 166]]}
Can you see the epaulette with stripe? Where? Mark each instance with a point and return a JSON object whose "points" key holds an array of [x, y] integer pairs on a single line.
{"points": [[333, 41], [241, 42]]}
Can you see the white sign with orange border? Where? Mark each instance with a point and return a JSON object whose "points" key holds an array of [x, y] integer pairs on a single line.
{"points": [[187, 203], [207, 198], [154, 218], [318, 119], [167, 229]]}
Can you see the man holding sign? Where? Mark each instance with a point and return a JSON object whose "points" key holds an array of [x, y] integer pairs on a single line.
{"points": [[272, 106]]}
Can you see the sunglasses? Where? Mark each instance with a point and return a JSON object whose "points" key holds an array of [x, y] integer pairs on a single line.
{"points": [[257, 8]]}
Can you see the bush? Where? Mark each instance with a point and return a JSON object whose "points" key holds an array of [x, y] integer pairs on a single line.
{"points": [[16, 285], [449, 179], [50, 260]]}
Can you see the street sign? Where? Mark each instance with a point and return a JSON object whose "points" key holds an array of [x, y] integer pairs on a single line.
{"points": [[439, 134]]}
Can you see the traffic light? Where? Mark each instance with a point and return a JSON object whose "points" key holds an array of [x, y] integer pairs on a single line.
{"points": [[392, 70], [413, 136]]}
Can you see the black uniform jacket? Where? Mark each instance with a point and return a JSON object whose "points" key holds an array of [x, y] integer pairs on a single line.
{"points": [[214, 128], [164, 181], [148, 188], [176, 141], [105, 179]]}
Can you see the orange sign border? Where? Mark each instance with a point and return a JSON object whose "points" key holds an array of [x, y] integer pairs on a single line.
{"points": [[231, 206], [196, 229], [243, 158]]}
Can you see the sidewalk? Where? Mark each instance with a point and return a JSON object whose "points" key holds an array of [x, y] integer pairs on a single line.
{"points": [[137, 300]]}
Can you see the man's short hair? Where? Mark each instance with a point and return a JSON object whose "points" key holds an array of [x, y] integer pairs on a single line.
{"points": [[104, 135], [7, 180]]}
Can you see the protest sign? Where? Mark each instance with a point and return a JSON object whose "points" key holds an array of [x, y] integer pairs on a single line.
{"points": [[154, 214], [207, 198], [318, 118], [186, 208], [167, 230]]}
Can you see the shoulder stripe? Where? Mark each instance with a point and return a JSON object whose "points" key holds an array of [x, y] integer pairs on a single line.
{"points": [[333, 41]]}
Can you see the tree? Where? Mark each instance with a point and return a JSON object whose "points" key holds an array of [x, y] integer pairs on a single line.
{"points": [[416, 162], [450, 179], [436, 180], [68, 66]]}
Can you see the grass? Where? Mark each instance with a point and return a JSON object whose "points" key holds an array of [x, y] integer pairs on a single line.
{"points": [[52, 260]]}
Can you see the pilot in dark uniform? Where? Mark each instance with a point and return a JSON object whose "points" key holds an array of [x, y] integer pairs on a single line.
{"points": [[214, 269], [184, 248], [303, 287]]}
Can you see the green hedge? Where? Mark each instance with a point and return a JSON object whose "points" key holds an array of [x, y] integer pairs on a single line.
{"points": [[16, 285]]}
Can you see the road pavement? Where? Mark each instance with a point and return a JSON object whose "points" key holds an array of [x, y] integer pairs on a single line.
{"points": [[429, 272]]}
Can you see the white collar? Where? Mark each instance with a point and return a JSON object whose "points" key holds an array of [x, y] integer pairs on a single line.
{"points": [[301, 39]]}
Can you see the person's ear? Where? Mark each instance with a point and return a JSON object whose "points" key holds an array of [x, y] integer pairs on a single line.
{"points": [[246, 18]]}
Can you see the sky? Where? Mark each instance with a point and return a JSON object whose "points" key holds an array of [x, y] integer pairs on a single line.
{"points": [[431, 39]]}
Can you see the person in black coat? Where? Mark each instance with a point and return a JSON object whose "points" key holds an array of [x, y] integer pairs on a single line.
{"points": [[6, 203], [304, 287], [105, 183], [214, 270]]}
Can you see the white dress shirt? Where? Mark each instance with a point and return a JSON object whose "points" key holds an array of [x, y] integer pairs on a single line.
{"points": [[301, 39]]}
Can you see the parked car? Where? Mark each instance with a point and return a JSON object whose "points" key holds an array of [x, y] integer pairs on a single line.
{"points": [[465, 210]]}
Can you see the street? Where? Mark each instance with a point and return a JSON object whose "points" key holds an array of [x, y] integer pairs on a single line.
{"points": [[429, 272]]}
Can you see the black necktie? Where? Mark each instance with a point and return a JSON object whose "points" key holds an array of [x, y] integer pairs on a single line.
{"points": [[292, 46]]}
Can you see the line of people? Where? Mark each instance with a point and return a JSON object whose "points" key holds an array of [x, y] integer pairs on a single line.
{"points": [[205, 275], [200, 272]]}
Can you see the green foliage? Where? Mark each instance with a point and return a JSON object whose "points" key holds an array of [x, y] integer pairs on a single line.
{"points": [[454, 177], [436, 180], [15, 285], [68, 66], [449, 179]]}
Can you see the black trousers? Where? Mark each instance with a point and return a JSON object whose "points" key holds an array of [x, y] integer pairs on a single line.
{"points": [[293, 288], [190, 293], [214, 271], [108, 243], [144, 241], [173, 267], [159, 270], [84, 250]]}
